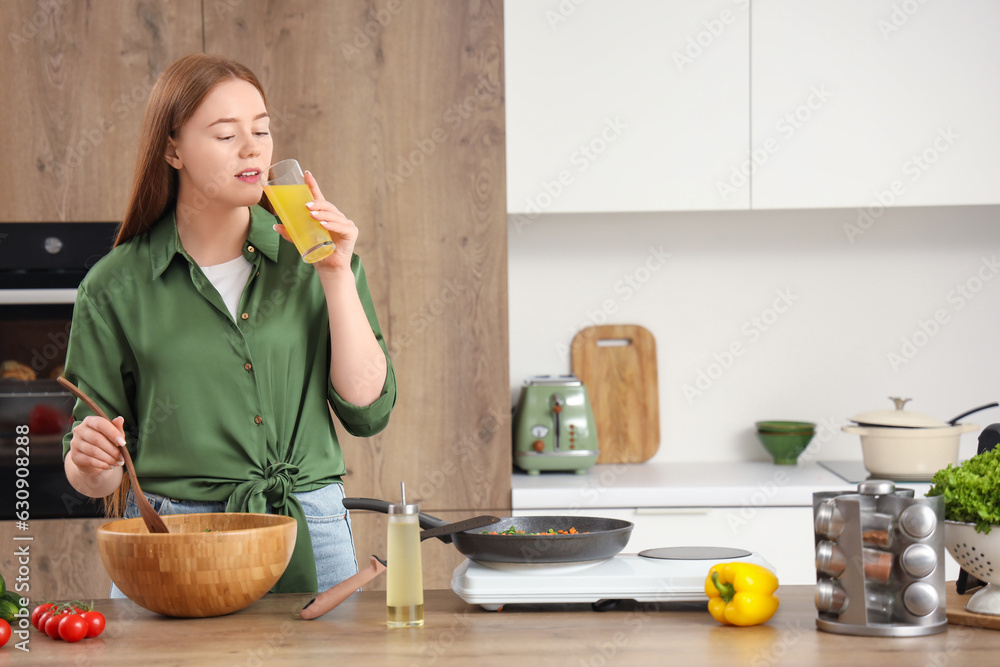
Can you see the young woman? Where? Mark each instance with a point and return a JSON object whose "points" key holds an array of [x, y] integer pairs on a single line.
{"points": [[220, 349]]}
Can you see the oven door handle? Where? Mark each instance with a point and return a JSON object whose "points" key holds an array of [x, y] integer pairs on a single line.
{"points": [[30, 297]]}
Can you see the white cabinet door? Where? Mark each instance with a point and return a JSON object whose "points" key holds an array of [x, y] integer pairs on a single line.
{"points": [[871, 104], [625, 105]]}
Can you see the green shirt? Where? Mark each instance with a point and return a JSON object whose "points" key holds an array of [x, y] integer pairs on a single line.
{"points": [[217, 409]]}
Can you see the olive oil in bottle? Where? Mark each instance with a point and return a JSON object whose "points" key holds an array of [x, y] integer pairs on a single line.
{"points": [[404, 595]]}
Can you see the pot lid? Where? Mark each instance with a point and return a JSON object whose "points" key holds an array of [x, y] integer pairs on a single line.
{"points": [[898, 417]]}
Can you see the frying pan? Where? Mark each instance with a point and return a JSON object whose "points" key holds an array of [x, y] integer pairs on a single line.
{"points": [[596, 538]]}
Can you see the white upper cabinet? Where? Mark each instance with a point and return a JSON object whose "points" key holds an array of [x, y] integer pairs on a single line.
{"points": [[626, 105], [667, 105], [875, 103]]}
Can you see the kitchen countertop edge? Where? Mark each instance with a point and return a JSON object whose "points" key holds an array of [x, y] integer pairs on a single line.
{"points": [[680, 485]]}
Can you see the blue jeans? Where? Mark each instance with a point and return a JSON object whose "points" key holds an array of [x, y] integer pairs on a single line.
{"points": [[329, 528]]}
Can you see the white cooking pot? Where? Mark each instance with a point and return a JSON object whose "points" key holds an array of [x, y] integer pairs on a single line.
{"points": [[908, 446]]}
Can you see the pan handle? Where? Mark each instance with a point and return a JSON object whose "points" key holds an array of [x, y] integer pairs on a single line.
{"points": [[375, 505]]}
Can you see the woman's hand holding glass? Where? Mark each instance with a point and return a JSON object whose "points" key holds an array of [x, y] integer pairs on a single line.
{"points": [[343, 231]]}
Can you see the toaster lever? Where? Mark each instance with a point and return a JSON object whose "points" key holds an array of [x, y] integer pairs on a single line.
{"points": [[558, 401]]}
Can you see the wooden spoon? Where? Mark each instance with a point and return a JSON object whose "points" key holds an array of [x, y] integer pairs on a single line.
{"points": [[153, 521]]}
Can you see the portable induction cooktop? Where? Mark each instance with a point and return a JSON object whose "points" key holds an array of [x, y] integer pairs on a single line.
{"points": [[670, 574]]}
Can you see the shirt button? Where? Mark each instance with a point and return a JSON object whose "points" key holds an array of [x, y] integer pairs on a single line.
{"points": [[247, 366], [250, 248], [258, 419], [245, 316]]}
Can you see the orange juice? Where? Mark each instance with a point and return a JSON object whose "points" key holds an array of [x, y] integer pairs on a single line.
{"points": [[311, 239]]}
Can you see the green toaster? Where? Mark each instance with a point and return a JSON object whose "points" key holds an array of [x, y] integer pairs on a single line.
{"points": [[554, 426]]}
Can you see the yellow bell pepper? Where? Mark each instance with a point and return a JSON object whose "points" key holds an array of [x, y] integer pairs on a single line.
{"points": [[741, 593]]}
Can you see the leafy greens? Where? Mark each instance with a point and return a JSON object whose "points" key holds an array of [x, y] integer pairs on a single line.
{"points": [[971, 490]]}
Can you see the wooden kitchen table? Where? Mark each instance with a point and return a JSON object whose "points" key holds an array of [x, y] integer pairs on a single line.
{"points": [[269, 633]]}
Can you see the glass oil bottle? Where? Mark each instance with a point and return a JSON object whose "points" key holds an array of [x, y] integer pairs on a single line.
{"points": [[404, 595]]}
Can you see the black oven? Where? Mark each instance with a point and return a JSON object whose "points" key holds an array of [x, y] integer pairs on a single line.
{"points": [[41, 266]]}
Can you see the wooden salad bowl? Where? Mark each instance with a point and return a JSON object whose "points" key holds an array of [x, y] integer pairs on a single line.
{"points": [[207, 565]]}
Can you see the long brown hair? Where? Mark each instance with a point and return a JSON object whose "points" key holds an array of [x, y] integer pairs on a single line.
{"points": [[174, 99]]}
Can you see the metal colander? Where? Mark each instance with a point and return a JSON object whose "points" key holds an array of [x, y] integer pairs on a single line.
{"points": [[977, 553]]}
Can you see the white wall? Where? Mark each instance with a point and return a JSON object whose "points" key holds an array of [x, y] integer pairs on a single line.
{"points": [[825, 358]]}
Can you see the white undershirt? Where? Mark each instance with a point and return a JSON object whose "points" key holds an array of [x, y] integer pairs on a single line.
{"points": [[229, 278]]}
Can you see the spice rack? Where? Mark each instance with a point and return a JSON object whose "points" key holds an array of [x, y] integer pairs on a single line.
{"points": [[879, 562]]}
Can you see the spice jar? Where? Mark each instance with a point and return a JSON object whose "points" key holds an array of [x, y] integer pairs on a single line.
{"points": [[878, 606], [876, 529], [831, 560], [877, 565], [830, 597], [829, 521]]}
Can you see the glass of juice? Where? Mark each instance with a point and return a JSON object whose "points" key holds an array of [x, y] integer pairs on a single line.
{"points": [[286, 189]]}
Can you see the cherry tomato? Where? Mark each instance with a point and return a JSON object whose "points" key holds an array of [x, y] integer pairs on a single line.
{"points": [[52, 625], [72, 628], [37, 613], [43, 619], [95, 623], [4, 632]]}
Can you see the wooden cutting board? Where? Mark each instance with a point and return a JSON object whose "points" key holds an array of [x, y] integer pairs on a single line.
{"points": [[617, 363], [958, 615]]}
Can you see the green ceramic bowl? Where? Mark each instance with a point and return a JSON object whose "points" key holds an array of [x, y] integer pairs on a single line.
{"points": [[785, 427], [785, 447]]}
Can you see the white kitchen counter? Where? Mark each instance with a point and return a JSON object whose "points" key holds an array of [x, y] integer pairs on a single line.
{"points": [[701, 484]]}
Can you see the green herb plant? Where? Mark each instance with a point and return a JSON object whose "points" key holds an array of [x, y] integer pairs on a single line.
{"points": [[971, 490]]}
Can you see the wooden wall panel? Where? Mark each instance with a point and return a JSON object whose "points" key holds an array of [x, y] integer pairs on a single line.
{"points": [[76, 78], [63, 560], [397, 108]]}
